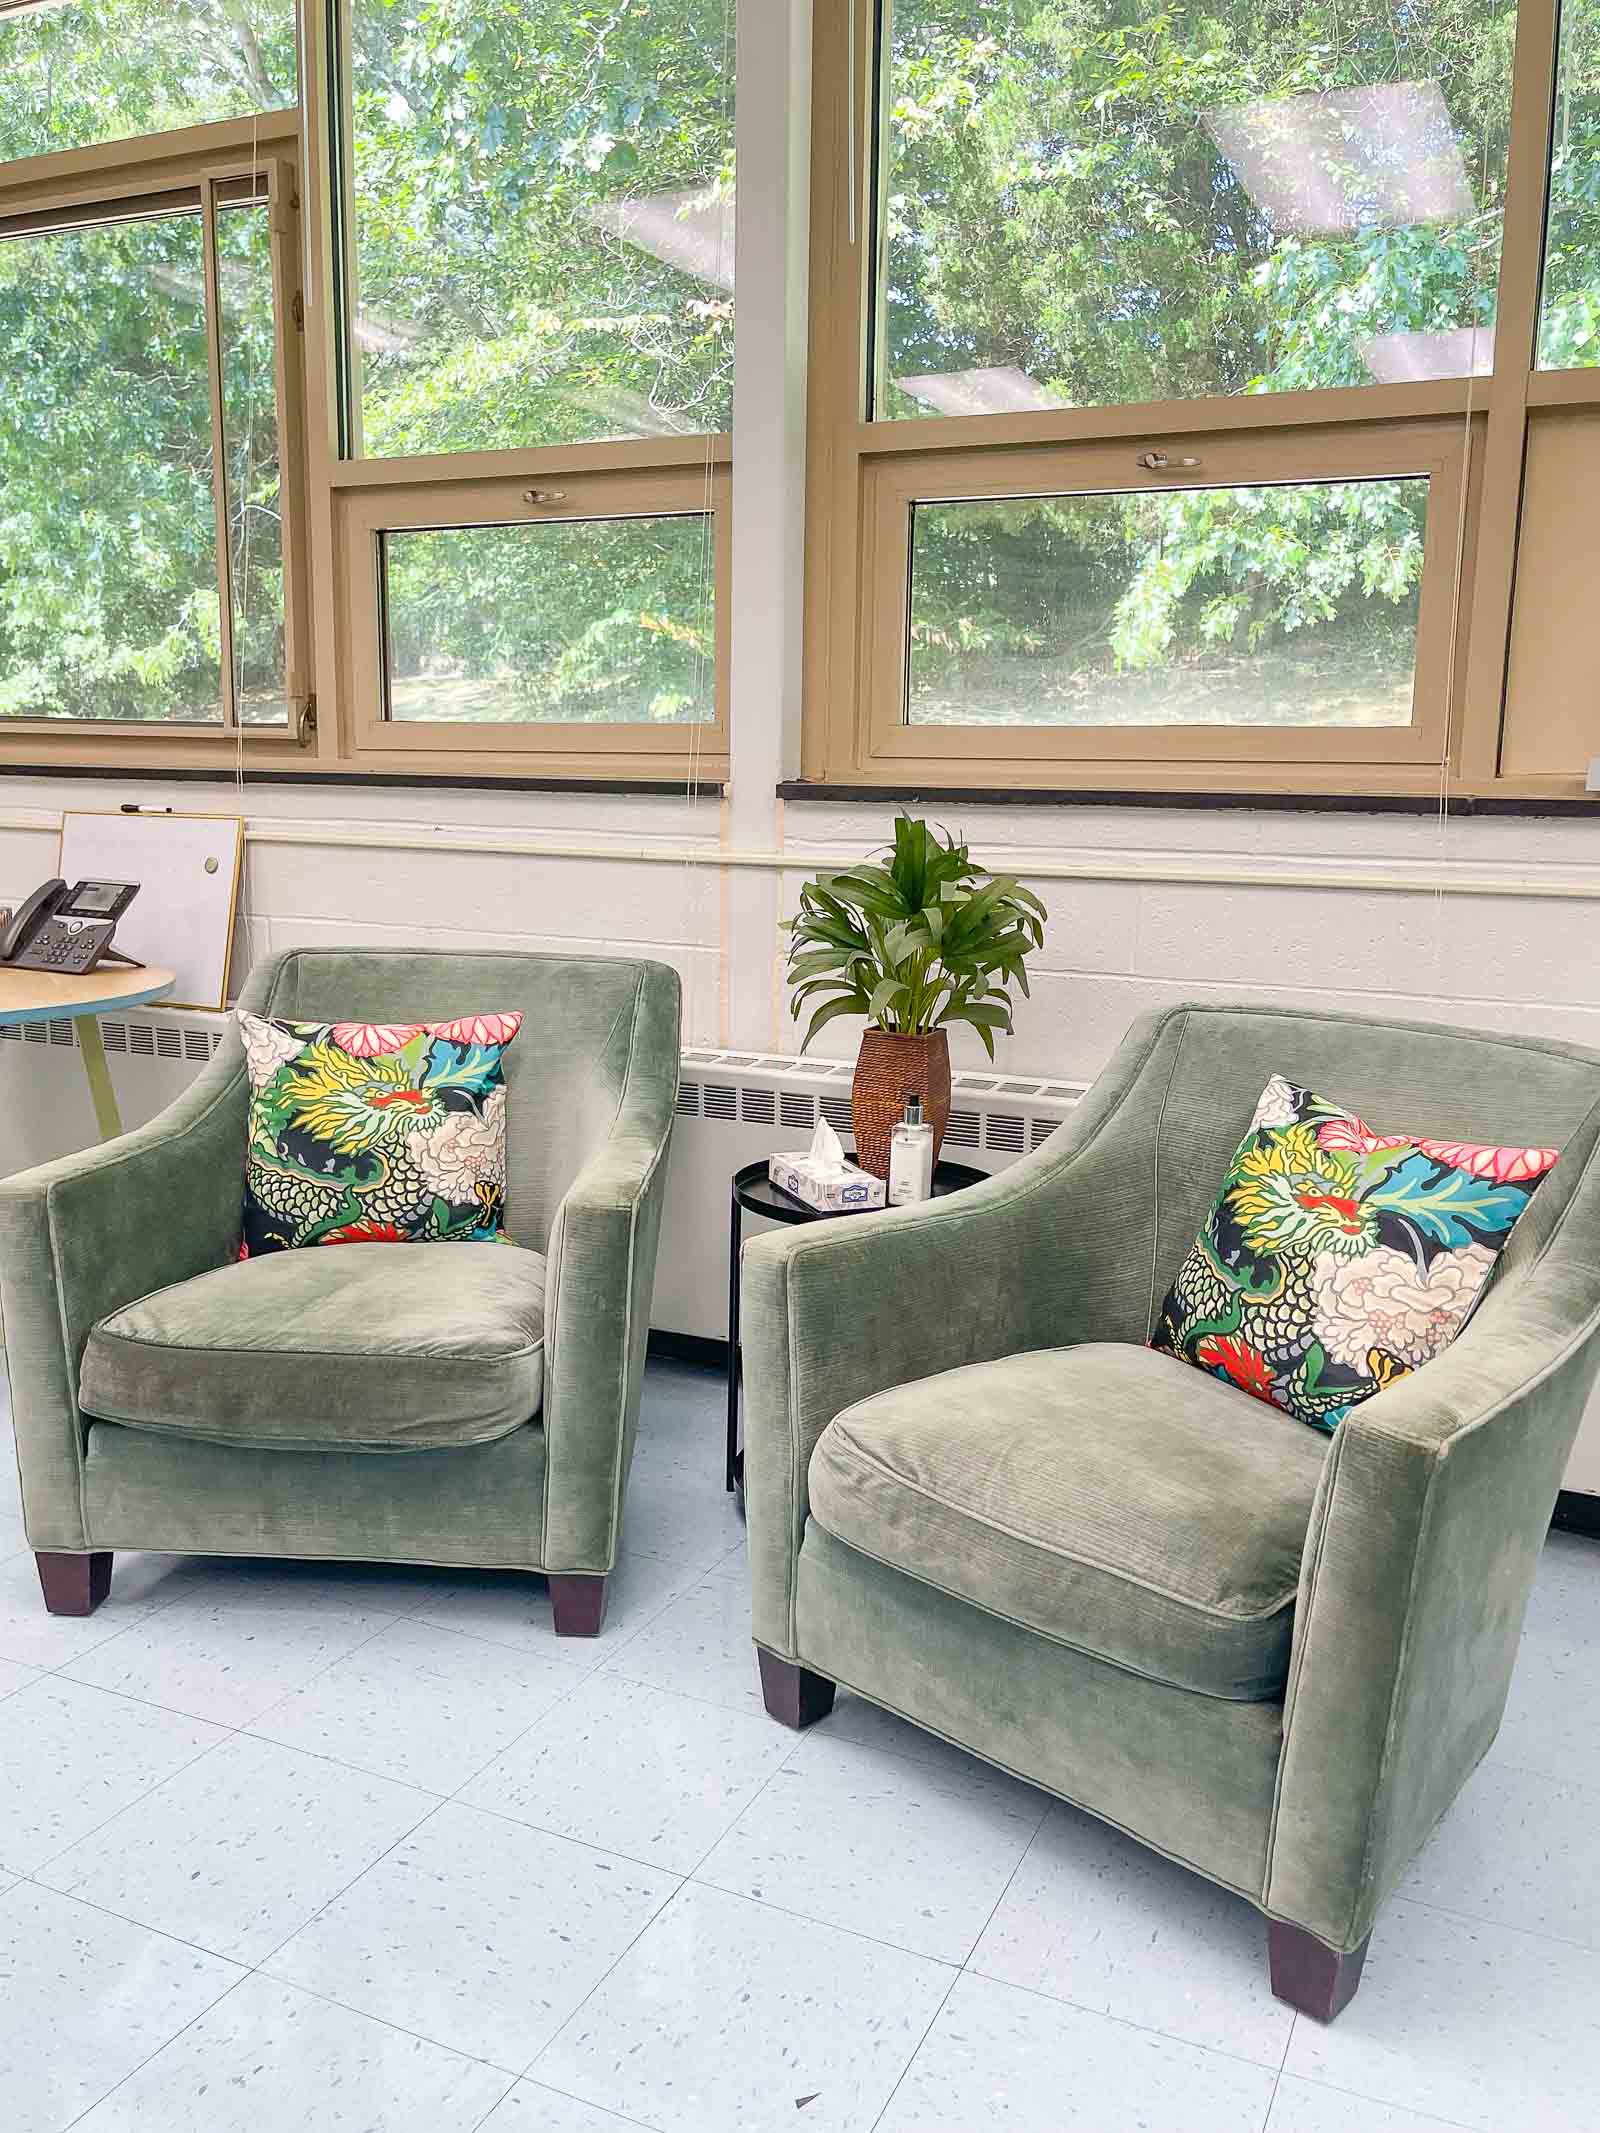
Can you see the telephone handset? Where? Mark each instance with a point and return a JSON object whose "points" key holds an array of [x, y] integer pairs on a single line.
{"points": [[66, 930]]}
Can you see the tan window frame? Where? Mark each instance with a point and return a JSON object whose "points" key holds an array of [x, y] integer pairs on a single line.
{"points": [[200, 167], [339, 504], [892, 485], [356, 499], [365, 513], [862, 476]]}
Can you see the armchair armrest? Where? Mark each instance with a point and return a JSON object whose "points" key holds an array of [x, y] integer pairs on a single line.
{"points": [[1424, 1539], [82, 1237], [602, 1260], [833, 1312]]}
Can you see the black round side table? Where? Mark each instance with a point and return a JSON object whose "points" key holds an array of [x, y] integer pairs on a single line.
{"points": [[755, 1194]]}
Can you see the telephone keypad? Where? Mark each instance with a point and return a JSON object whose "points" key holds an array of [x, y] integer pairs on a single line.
{"points": [[70, 946]]}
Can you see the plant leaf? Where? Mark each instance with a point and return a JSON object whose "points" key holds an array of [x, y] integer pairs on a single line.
{"points": [[854, 1005]]}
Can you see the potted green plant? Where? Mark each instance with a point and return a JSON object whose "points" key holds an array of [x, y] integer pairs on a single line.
{"points": [[926, 938]]}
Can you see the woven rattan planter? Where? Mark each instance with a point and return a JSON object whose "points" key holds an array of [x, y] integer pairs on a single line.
{"points": [[889, 1069]]}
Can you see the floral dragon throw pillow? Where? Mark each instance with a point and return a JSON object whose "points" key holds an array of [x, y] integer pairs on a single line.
{"points": [[374, 1132], [1337, 1260]]}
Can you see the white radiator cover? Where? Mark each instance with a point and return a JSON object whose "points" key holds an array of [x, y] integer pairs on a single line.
{"points": [[739, 1107], [45, 1109]]}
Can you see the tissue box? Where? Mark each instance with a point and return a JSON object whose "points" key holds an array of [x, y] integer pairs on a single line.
{"points": [[837, 1191]]}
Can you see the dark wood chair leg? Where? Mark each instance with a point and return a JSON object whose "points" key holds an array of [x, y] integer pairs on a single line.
{"points": [[73, 1584], [793, 1695], [578, 1602], [1309, 1975]]}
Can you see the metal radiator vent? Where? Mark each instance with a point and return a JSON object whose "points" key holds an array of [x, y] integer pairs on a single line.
{"points": [[193, 1041], [1001, 1115]]}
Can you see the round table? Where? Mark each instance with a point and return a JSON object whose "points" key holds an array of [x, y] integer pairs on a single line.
{"points": [[755, 1194], [48, 996]]}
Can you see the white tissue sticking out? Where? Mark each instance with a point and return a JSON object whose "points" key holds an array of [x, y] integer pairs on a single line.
{"points": [[826, 1150]]}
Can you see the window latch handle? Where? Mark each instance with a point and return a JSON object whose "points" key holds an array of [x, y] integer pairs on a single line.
{"points": [[544, 496], [1158, 462]]}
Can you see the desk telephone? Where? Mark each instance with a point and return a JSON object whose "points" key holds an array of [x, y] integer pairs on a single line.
{"points": [[66, 930]]}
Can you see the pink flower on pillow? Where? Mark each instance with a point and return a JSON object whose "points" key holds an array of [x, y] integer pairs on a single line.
{"points": [[367, 1040], [1357, 1138], [480, 1029], [1507, 1166]]}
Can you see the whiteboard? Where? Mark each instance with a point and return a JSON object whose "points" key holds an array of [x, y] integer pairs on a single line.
{"points": [[187, 868]]}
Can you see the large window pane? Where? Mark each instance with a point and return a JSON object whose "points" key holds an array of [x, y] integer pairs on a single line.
{"points": [[1569, 318], [595, 622], [109, 606], [542, 225], [1270, 606], [1094, 202], [78, 72], [252, 475]]}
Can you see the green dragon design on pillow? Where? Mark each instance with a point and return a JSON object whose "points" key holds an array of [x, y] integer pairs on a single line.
{"points": [[374, 1133], [1335, 1259]]}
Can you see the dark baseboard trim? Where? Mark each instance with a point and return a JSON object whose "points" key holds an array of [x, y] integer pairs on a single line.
{"points": [[648, 788], [1276, 803], [1577, 1512], [689, 1348]]}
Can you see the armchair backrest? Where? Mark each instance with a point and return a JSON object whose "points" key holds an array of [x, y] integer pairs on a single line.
{"points": [[590, 1023], [1206, 1065]]}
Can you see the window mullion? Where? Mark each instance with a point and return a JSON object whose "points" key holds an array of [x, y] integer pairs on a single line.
{"points": [[1516, 325], [288, 316], [219, 463]]}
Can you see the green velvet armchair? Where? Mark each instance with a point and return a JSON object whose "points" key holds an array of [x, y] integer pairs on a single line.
{"points": [[978, 1499], [467, 1404]]}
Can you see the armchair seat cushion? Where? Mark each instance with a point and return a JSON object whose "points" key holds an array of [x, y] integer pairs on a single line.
{"points": [[1099, 1495], [407, 1347]]}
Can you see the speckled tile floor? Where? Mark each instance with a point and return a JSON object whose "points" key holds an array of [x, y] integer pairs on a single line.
{"points": [[298, 1851]]}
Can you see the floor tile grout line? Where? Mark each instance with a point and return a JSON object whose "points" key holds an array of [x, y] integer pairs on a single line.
{"points": [[1494, 1761], [149, 1609], [1497, 1925], [123, 2079], [787, 1765], [127, 1918], [587, 1675], [1143, 2029], [142, 1925], [622, 1955], [561, 1836], [359, 1646], [253, 1971], [417, 2036], [248, 1732], [827, 1925], [1385, 2103], [636, 2125], [366, 1771], [435, 1802], [759, 1794], [1277, 2079], [696, 1580], [990, 1773], [127, 1806], [961, 1972]]}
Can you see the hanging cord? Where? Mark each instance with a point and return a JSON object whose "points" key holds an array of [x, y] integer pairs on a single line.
{"points": [[706, 674], [240, 592], [1459, 561]]}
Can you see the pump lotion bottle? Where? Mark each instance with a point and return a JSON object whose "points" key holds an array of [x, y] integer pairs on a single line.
{"points": [[911, 1157]]}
